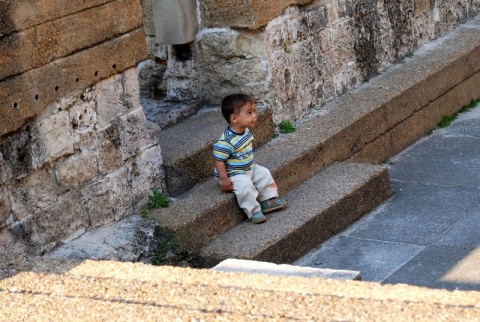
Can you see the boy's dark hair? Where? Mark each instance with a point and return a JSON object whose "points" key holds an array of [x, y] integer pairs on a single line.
{"points": [[232, 104]]}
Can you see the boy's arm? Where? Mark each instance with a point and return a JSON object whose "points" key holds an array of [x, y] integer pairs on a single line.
{"points": [[225, 181]]}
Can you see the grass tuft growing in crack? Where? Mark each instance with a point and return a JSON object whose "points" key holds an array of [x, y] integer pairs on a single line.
{"points": [[286, 127], [448, 119], [156, 200]]}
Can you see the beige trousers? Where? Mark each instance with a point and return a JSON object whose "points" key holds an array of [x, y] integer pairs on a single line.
{"points": [[253, 187]]}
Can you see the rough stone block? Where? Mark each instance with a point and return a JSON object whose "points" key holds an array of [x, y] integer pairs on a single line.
{"points": [[76, 170], [52, 138], [131, 89], [109, 100], [5, 206], [421, 7], [98, 200], [133, 133], [251, 14], [110, 156], [149, 165], [58, 38], [16, 156], [230, 72], [130, 195], [26, 95], [83, 115], [56, 223], [37, 191]]}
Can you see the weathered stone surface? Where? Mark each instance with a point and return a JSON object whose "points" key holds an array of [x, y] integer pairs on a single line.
{"points": [[109, 102], [182, 74], [133, 239], [52, 138], [110, 156], [35, 192], [231, 62], [59, 222], [26, 95], [251, 14], [309, 55], [58, 38], [16, 156], [98, 200], [75, 170], [133, 133], [83, 115], [5, 206], [19, 15]]}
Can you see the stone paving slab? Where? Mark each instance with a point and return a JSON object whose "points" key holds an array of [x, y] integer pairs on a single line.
{"points": [[465, 232], [442, 266], [374, 259], [450, 161], [418, 214]]}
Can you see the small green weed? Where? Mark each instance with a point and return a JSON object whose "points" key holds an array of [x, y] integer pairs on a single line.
{"points": [[470, 106], [275, 135], [410, 54], [288, 50], [366, 79], [446, 120], [286, 127], [156, 200]]}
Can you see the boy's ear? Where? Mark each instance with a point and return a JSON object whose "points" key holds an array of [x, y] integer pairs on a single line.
{"points": [[233, 118]]}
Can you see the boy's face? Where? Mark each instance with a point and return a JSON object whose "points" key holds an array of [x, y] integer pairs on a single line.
{"points": [[246, 117]]}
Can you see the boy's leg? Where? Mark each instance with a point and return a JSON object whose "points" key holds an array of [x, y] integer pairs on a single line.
{"points": [[267, 190], [246, 194], [263, 181]]}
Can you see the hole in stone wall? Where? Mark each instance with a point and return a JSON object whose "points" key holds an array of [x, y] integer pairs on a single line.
{"points": [[114, 66], [77, 80], [182, 52], [56, 88], [96, 73], [37, 97], [15, 105]]}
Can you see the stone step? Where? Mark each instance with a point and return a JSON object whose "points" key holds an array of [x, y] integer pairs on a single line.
{"points": [[319, 208], [187, 147], [369, 124]]}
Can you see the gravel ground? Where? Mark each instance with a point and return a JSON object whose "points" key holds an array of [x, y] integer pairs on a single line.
{"points": [[112, 291]]}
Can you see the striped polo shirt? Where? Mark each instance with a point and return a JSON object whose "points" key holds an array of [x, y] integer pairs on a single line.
{"points": [[235, 150]]}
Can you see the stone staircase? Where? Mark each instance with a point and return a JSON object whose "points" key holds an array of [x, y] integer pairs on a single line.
{"points": [[326, 168]]}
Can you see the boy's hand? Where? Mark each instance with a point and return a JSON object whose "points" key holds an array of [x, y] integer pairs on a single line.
{"points": [[226, 185]]}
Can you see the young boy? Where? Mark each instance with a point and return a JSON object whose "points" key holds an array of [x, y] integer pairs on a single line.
{"points": [[234, 165]]}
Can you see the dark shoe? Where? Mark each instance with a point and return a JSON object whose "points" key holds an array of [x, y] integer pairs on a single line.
{"points": [[273, 204], [258, 218]]}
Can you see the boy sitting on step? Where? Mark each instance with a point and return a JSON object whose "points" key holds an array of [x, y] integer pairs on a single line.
{"points": [[253, 185]]}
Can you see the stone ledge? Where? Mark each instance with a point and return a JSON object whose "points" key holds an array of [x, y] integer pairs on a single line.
{"points": [[251, 14], [256, 267]]}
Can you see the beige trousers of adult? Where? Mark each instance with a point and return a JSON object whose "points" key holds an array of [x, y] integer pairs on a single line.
{"points": [[253, 187]]}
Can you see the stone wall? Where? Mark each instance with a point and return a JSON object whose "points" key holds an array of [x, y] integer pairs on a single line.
{"points": [[75, 149], [312, 51]]}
